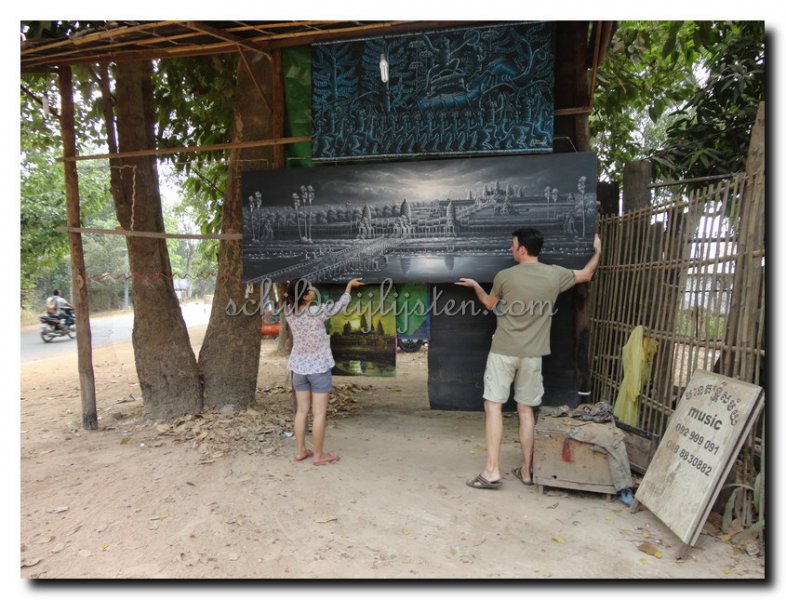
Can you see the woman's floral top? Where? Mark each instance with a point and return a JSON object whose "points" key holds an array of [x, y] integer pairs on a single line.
{"points": [[311, 342]]}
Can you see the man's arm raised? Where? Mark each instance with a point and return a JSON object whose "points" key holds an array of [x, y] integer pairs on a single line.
{"points": [[584, 275], [487, 300]]}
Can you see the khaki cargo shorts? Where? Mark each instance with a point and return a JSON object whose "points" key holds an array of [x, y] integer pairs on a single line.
{"points": [[523, 371]]}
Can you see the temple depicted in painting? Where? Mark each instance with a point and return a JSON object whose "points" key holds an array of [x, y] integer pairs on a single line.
{"points": [[327, 234]]}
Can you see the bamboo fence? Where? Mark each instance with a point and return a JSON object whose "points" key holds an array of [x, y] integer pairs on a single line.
{"points": [[691, 271]]}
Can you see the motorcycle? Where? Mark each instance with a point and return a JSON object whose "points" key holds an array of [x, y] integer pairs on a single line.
{"points": [[53, 326]]}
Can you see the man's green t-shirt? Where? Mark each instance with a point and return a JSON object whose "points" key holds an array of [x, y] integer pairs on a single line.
{"points": [[527, 293]]}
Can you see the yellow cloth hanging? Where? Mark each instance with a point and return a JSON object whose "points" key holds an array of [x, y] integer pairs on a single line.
{"points": [[637, 356]]}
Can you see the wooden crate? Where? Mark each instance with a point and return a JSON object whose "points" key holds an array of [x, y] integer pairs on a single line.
{"points": [[565, 463]]}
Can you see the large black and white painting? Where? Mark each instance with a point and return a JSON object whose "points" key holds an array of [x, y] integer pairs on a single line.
{"points": [[425, 221], [474, 90]]}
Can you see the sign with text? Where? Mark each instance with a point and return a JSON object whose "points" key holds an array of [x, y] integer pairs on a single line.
{"points": [[703, 438]]}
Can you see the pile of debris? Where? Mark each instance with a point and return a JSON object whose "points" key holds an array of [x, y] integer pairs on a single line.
{"points": [[344, 398], [260, 429], [218, 432]]}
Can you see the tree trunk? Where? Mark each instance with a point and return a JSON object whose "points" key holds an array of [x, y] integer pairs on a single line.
{"points": [[165, 362], [229, 358], [284, 341]]}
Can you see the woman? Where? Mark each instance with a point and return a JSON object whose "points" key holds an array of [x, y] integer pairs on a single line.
{"points": [[310, 363]]}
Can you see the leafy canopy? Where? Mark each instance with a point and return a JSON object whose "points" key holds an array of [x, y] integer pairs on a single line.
{"points": [[683, 93]]}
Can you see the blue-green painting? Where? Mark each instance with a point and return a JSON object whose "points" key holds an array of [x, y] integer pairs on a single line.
{"points": [[476, 90]]}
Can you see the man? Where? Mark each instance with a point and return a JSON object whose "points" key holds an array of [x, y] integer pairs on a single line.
{"points": [[61, 306], [522, 297]]}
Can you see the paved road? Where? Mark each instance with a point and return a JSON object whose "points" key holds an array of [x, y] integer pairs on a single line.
{"points": [[105, 332]]}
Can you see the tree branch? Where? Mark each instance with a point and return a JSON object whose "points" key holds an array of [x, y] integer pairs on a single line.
{"points": [[37, 99]]}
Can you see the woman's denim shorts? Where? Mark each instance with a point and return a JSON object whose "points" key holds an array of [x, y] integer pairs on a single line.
{"points": [[319, 383]]}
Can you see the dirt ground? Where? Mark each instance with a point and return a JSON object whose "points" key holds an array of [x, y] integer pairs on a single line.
{"points": [[219, 496]]}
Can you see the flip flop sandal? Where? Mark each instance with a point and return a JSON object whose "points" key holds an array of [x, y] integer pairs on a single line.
{"points": [[329, 459], [517, 474], [305, 456], [481, 483]]}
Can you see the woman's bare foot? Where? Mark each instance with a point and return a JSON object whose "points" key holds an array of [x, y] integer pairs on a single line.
{"points": [[299, 457], [326, 459]]}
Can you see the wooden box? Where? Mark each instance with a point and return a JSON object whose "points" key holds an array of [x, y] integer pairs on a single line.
{"points": [[566, 463]]}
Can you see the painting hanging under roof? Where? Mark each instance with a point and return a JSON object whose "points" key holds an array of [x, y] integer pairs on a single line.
{"points": [[363, 335], [425, 221], [452, 92]]}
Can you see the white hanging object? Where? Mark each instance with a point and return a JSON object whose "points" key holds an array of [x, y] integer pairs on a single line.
{"points": [[384, 70]]}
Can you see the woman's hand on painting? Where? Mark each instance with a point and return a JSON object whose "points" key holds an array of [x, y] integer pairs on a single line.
{"points": [[466, 282], [353, 283]]}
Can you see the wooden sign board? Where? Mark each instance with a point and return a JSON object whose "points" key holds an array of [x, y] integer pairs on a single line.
{"points": [[703, 439]]}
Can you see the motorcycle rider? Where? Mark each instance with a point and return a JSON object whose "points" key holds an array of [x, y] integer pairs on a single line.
{"points": [[62, 308]]}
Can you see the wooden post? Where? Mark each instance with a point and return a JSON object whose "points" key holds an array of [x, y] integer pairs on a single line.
{"points": [[744, 311], [279, 158], [581, 134], [636, 176], [284, 342], [87, 384], [609, 198]]}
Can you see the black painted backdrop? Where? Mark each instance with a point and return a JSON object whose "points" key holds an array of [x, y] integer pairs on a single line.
{"points": [[459, 346]]}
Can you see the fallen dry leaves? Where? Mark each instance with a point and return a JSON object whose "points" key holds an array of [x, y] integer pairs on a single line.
{"points": [[650, 549], [259, 429]]}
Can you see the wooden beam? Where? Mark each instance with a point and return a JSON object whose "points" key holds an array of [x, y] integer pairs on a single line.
{"points": [[33, 47], [577, 110], [102, 53], [257, 85], [35, 62], [152, 234], [113, 49], [84, 344], [227, 37], [36, 65], [370, 30], [191, 149]]}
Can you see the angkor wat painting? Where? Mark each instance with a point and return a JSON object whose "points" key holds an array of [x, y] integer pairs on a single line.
{"points": [[449, 93], [363, 336], [422, 221]]}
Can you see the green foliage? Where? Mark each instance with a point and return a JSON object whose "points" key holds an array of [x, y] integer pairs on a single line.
{"points": [[649, 68], [711, 133], [106, 261], [194, 102], [194, 98], [192, 212], [44, 251], [651, 102], [195, 105]]}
